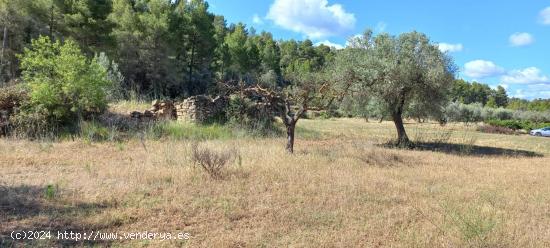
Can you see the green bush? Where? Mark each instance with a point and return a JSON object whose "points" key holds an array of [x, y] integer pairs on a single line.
{"points": [[62, 82], [518, 124]]}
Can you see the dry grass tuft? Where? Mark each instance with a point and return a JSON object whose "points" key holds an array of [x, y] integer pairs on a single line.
{"points": [[213, 162]]}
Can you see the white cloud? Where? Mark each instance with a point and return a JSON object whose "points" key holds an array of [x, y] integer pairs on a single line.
{"points": [[545, 16], [478, 69], [330, 44], [314, 18], [521, 39], [257, 19], [533, 91], [531, 75], [446, 47]]}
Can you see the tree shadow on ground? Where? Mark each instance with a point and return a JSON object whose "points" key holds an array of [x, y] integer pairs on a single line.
{"points": [[32, 208], [473, 150]]}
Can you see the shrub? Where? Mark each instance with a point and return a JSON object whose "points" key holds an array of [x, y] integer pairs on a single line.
{"points": [[32, 125], [502, 114], [212, 162], [247, 114], [62, 82], [464, 113], [532, 116], [12, 97], [487, 113], [459, 112], [115, 90], [495, 129]]}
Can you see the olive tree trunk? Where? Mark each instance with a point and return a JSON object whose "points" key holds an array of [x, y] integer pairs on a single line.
{"points": [[402, 138], [397, 117], [290, 123], [290, 128]]}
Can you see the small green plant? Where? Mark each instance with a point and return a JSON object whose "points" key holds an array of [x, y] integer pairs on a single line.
{"points": [[121, 146], [93, 131], [50, 192], [88, 168], [474, 223]]}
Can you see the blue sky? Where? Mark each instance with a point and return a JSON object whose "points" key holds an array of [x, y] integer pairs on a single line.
{"points": [[495, 42]]}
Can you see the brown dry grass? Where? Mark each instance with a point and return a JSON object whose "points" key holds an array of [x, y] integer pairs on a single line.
{"points": [[340, 189]]}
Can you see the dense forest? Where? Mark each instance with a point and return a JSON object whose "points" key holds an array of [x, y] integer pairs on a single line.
{"points": [[162, 48]]}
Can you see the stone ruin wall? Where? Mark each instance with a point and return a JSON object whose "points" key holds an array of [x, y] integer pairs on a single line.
{"points": [[197, 109], [200, 108]]}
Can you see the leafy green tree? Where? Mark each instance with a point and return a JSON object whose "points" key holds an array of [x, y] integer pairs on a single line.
{"points": [[142, 34], [467, 93], [534, 105], [460, 90], [478, 93], [289, 53], [236, 43], [199, 44], [500, 97], [87, 22], [62, 81], [19, 20], [491, 103], [402, 71], [222, 58], [270, 54]]}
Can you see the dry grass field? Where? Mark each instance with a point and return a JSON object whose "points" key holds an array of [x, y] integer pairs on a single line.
{"points": [[342, 188]]}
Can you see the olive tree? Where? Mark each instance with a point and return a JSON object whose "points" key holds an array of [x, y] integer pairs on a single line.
{"points": [[306, 89], [303, 89], [402, 71]]}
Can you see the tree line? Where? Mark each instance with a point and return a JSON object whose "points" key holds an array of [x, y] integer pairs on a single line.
{"points": [[163, 48], [474, 92]]}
